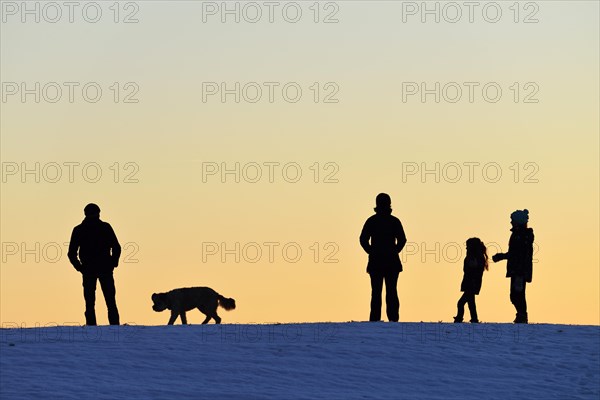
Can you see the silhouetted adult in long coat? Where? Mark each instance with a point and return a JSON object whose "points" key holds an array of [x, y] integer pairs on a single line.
{"points": [[94, 251], [383, 238]]}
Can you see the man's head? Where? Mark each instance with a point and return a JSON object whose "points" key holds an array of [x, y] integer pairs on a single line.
{"points": [[383, 203], [92, 210]]}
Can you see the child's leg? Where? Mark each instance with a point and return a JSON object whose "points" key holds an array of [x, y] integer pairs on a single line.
{"points": [[472, 307], [517, 297], [460, 308]]}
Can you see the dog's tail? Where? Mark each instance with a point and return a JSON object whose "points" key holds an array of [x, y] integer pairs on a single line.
{"points": [[228, 304]]}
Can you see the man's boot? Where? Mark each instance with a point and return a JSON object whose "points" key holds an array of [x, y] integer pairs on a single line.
{"points": [[521, 318], [113, 316], [90, 318]]}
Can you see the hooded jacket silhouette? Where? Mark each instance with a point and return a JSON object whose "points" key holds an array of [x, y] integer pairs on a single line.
{"points": [[520, 253], [519, 266]]}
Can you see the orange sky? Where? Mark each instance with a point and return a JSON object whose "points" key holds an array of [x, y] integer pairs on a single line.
{"points": [[328, 115]]}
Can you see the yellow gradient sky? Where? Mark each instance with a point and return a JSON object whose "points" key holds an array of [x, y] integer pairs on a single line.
{"points": [[546, 151]]}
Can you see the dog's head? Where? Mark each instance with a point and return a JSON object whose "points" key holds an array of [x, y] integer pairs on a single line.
{"points": [[160, 302]]}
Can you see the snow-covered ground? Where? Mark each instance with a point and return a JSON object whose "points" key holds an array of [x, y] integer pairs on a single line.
{"points": [[285, 361]]}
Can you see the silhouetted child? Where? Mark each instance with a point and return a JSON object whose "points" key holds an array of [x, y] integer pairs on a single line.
{"points": [[519, 266], [476, 261]]}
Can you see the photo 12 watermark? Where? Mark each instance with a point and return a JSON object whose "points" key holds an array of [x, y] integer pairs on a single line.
{"points": [[470, 92], [16, 333], [425, 333], [448, 252], [269, 252], [70, 12], [270, 172], [470, 172], [455, 12], [54, 252], [269, 333], [271, 12], [270, 92], [69, 172], [69, 92]]}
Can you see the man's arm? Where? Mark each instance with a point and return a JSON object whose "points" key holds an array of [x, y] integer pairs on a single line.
{"points": [[365, 236], [400, 237], [499, 257], [115, 247], [73, 250]]}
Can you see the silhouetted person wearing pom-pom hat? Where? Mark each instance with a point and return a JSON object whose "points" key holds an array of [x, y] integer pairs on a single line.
{"points": [[383, 238], [94, 251], [519, 266]]}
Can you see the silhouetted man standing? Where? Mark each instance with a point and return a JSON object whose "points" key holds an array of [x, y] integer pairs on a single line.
{"points": [[383, 238], [99, 253]]}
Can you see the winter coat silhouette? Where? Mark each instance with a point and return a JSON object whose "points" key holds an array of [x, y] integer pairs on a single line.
{"points": [[382, 238], [519, 266], [387, 239], [94, 251]]}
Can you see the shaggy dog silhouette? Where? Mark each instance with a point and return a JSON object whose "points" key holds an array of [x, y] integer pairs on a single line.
{"points": [[181, 300]]}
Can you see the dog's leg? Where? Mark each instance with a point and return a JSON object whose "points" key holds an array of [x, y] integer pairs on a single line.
{"points": [[183, 318], [207, 316], [216, 317], [174, 315], [214, 304]]}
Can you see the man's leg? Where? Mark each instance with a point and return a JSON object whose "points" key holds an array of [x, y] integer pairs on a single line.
{"points": [[524, 298], [392, 303], [89, 294], [107, 283], [376, 287]]}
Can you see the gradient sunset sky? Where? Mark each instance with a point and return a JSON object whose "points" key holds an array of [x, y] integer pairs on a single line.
{"points": [[535, 146]]}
